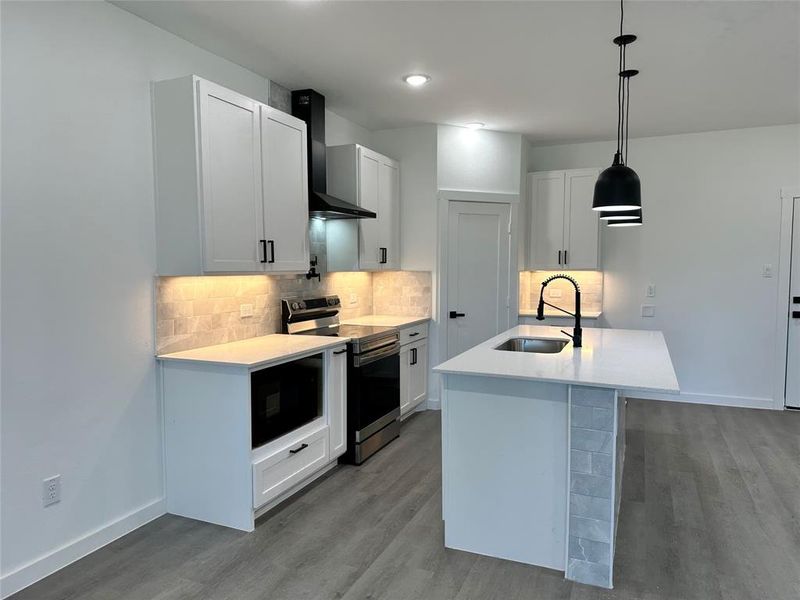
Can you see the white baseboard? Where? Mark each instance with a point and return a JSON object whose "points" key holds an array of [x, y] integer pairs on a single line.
{"points": [[39, 568], [711, 399], [433, 404]]}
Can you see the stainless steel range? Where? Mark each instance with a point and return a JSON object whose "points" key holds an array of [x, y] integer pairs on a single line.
{"points": [[373, 372]]}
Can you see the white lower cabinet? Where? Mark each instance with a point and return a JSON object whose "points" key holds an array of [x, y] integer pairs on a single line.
{"points": [[413, 367], [336, 390], [288, 466]]}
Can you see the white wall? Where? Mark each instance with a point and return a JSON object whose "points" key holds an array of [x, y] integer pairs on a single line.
{"points": [[339, 131], [712, 219], [78, 258], [478, 160]]}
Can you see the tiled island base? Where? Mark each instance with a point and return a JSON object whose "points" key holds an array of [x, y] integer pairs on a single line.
{"points": [[596, 457], [532, 472]]}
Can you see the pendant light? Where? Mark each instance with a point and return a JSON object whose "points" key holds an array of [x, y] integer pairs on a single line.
{"points": [[633, 218], [618, 187]]}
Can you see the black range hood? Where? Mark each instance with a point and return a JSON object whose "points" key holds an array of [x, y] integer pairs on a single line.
{"points": [[309, 106]]}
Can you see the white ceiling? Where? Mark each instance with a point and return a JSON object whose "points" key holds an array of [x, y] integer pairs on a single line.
{"points": [[544, 69]]}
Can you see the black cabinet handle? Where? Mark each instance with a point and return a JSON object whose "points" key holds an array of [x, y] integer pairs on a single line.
{"points": [[263, 250], [796, 300], [271, 251], [413, 356], [296, 450], [415, 334], [384, 256], [566, 262], [340, 351], [455, 315], [559, 257], [796, 314]]}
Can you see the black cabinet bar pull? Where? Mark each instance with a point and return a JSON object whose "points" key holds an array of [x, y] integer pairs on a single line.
{"points": [[384, 256], [455, 315], [413, 356], [296, 450], [566, 262], [559, 257], [263, 250], [340, 351], [415, 334], [271, 251]]}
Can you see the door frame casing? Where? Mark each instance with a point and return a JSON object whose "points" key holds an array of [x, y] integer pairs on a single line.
{"points": [[788, 195], [445, 196]]}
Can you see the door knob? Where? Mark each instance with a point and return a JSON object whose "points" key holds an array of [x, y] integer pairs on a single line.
{"points": [[455, 315], [795, 314]]}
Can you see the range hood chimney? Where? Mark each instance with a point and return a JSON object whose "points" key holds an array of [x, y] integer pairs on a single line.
{"points": [[309, 106]]}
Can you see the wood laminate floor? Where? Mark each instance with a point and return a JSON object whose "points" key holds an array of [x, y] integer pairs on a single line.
{"points": [[710, 510]]}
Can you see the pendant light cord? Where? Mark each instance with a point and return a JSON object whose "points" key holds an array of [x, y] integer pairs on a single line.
{"points": [[621, 89]]}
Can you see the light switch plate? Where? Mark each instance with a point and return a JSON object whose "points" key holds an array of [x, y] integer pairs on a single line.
{"points": [[767, 271], [245, 310], [648, 310], [555, 293], [353, 299], [651, 290]]}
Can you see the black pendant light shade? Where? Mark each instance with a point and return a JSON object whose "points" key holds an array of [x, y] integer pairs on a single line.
{"points": [[617, 189], [620, 215], [627, 218]]}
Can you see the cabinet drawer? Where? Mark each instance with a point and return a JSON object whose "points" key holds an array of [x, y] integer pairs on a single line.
{"points": [[413, 334], [278, 472]]}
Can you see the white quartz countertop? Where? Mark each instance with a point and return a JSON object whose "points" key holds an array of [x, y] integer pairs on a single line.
{"points": [[550, 313], [386, 321], [612, 358], [257, 351]]}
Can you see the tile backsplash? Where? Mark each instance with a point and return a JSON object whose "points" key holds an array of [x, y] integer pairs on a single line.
{"points": [[201, 311], [590, 282]]}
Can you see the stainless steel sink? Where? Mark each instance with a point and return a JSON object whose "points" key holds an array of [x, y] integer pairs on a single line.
{"points": [[540, 345]]}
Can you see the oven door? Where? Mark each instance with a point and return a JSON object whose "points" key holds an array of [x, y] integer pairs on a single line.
{"points": [[373, 391]]}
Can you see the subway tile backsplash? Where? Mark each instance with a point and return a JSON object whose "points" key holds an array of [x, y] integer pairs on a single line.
{"points": [[201, 311], [590, 282]]}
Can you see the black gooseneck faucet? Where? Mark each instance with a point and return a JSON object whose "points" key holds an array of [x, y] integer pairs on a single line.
{"points": [[577, 333]]}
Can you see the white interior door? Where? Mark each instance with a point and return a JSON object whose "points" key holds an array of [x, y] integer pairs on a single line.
{"points": [[231, 164], [478, 270], [793, 350], [283, 147]]}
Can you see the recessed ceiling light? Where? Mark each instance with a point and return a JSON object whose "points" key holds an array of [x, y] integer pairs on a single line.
{"points": [[474, 125], [417, 79]]}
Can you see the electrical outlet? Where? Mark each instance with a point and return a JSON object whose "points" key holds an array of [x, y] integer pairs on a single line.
{"points": [[767, 271], [245, 310], [651, 290], [648, 310], [51, 490], [353, 299]]}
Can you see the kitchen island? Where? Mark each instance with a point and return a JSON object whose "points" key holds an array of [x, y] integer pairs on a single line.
{"points": [[533, 444]]}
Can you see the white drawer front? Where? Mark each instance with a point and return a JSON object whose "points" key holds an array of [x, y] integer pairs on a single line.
{"points": [[413, 334], [278, 472]]}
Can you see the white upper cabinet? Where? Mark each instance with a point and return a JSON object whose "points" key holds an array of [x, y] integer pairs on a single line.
{"points": [[283, 148], [564, 230], [231, 182], [372, 181]]}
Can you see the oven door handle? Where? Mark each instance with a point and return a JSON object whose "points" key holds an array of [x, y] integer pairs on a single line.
{"points": [[360, 360]]}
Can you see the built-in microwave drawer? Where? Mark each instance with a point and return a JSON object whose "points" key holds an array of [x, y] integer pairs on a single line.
{"points": [[278, 472], [413, 334]]}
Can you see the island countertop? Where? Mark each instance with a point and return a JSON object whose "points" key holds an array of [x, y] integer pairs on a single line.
{"points": [[611, 358], [256, 352]]}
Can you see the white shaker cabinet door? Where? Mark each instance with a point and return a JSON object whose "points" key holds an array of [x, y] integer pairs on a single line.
{"points": [[581, 225], [231, 180], [418, 380], [547, 220], [337, 401], [389, 214], [283, 146], [368, 197]]}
